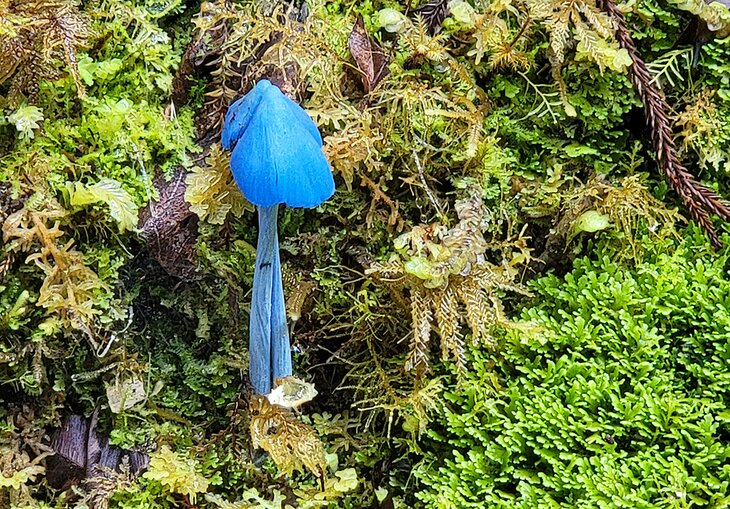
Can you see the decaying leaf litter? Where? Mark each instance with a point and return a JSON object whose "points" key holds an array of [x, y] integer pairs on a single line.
{"points": [[476, 147]]}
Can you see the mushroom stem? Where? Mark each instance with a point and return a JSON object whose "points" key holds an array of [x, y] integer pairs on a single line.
{"points": [[269, 350], [281, 363]]}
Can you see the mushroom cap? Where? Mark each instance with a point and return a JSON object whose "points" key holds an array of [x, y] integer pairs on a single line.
{"points": [[277, 155]]}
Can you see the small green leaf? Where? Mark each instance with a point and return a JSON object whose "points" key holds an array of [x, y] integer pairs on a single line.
{"points": [[463, 13], [108, 68], [591, 221], [392, 20], [381, 493], [86, 69], [26, 119], [577, 150], [621, 60], [346, 480], [20, 478], [121, 206], [419, 267], [176, 473]]}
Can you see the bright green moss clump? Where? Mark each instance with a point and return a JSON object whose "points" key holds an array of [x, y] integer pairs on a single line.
{"points": [[620, 399], [473, 152]]}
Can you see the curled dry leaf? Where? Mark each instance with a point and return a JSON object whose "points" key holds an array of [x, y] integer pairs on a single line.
{"points": [[371, 60], [124, 393]]}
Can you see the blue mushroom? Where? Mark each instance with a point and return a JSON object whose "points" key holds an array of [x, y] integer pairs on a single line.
{"points": [[277, 159]]}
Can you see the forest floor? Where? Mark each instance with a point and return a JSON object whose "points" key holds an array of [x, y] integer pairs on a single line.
{"points": [[517, 297]]}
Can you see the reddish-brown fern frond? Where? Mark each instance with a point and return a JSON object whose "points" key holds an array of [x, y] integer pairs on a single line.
{"points": [[433, 13], [699, 200]]}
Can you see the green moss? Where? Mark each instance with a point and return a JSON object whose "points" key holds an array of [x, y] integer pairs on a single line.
{"points": [[619, 399]]}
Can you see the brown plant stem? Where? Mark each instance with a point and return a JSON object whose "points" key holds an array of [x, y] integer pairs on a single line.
{"points": [[522, 31], [699, 199]]}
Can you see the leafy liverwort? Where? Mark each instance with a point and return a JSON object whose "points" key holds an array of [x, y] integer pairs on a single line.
{"points": [[277, 159]]}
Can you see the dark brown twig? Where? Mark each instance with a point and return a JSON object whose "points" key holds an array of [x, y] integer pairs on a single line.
{"points": [[522, 31], [699, 200]]}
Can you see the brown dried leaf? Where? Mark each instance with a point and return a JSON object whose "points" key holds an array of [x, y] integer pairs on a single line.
{"points": [[297, 289], [291, 443], [371, 60], [35, 34], [171, 229], [421, 315]]}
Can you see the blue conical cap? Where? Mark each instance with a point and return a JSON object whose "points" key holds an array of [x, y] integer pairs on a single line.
{"points": [[278, 154]]}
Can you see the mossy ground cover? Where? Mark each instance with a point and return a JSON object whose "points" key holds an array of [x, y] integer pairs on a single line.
{"points": [[504, 304], [625, 407]]}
